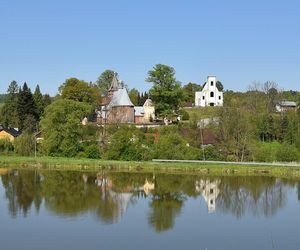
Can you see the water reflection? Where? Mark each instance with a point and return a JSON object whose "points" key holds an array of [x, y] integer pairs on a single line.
{"points": [[108, 195]]}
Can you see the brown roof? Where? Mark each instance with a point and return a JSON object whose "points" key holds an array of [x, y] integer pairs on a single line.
{"points": [[208, 137]]}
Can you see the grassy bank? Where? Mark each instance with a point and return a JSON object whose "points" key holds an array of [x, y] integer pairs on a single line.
{"points": [[95, 165]]}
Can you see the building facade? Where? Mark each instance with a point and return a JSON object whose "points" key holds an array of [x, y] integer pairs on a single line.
{"points": [[210, 94]]}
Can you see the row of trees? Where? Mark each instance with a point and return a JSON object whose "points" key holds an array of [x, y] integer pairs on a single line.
{"points": [[23, 109]]}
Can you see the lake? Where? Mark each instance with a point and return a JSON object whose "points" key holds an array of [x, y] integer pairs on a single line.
{"points": [[45, 209]]}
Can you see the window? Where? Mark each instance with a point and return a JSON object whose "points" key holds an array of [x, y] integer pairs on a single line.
{"points": [[203, 97], [212, 94], [211, 191], [212, 104], [219, 97], [211, 202], [211, 83]]}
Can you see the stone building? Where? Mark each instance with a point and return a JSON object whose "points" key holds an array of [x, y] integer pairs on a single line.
{"points": [[116, 107], [210, 94]]}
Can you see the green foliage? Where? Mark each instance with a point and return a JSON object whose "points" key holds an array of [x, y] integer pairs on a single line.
{"points": [[38, 100], [134, 96], [6, 146], [166, 92], [173, 146], [26, 107], [61, 127], [129, 144], [189, 91], [265, 152], [185, 115], [288, 153], [81, 91], [104, 81], [219, 86], [9, 116], [25, 144]]}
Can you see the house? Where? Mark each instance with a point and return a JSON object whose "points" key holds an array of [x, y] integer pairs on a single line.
{"points": [[9, 133], [285, 106], [116, 107], [210, 95]]}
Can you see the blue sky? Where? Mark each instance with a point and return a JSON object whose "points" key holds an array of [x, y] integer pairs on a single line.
{"points": [[240, 42]]}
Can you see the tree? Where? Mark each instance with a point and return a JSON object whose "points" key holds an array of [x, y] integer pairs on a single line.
{"points": [[189, 91], [26, 106], [81, 91], [24, 144], [134, 96], [104, 81], [166, 92], [8, 115], [38, 99], [61, 127]]}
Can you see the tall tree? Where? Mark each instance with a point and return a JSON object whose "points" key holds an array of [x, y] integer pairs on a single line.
{"points": [[166, 92], [26, 108], [38, 99], [9, 115], [104, 80]]}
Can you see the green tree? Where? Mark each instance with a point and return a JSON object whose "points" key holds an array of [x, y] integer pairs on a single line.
{"points": [[26, 106], [38, 99], [166, 92], [8, 114], [61, 127], [134, 96], [81, 91], [104, 81], [189, 91]]}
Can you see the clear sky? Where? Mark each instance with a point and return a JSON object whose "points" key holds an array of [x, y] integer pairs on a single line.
{"points": [[239, 41]]}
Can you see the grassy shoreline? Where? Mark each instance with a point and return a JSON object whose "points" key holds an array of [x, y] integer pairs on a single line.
{"points": [[60, 163]]}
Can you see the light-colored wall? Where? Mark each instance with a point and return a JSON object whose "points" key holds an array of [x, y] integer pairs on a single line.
{"points": [[4, 135], [149, 112]]}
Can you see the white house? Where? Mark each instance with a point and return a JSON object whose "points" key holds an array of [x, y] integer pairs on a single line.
{"points": [[210, 95]]}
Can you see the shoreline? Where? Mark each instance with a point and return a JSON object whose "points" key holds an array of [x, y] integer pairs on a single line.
{"points": [[204, 168]]}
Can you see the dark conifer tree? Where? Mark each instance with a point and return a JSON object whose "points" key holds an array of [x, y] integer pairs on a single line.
{"points": [[26, 108]]}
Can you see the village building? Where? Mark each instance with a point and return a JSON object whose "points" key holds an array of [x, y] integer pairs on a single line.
{"points": [[9, 133], [116, 107], [285, 106], [210, 94]]}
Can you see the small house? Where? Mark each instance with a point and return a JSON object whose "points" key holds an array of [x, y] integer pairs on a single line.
{"points": [[9, 133]]}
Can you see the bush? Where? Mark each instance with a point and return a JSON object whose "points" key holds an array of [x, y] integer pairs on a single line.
{"points": [[287, 153], [6, 146], [265, 152], [129, 144], [172, 146], [24, 144], [185, 115]]}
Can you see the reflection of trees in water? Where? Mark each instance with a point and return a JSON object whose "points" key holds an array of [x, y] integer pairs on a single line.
{"points": [[108, 195], [258, 195], [22, 189]]}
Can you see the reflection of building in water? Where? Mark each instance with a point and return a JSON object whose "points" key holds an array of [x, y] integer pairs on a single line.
{"points": [[210, 191], [148, 187]]}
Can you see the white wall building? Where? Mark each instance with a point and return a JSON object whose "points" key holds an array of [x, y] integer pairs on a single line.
{"points": [[210, 95]]}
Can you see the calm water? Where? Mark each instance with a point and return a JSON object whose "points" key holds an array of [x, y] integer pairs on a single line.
{"points": [[104, 210]]}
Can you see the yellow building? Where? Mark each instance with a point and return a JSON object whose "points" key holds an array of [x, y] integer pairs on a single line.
{"points": [[8, 133]]}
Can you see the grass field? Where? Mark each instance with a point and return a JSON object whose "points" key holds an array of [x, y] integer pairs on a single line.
{"points": [[60, 163], [207, 112]]}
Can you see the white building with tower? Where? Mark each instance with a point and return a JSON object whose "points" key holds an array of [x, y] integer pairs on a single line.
{"points": [[210, 95]]}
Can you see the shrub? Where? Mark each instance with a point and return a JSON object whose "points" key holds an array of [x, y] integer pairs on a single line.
{"points": [[287, 153], [6, 146], [185, 115], [25, 144], [173, 147]]}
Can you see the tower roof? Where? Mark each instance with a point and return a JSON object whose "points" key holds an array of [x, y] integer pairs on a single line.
{"points": [[120, 98], [115, 84]]}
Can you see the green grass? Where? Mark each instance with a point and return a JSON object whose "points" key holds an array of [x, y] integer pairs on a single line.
{"points": [[207, 112], [61, 163]]}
